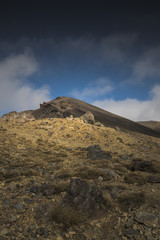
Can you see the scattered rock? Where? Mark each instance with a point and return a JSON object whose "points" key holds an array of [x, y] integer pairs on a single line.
{"points": [[95, 152], [119, 139], [126, 157], [98, 124], [18, 206], [47, 189], [34, 189], [88, 117], [13, 219], [14, 186], [144, 166], [3, 232], [42, 231], [100, 179], [132, 233], [153, 179], [112, 174], [117, 128], [87, 199], [115, 191], [147, 219]]}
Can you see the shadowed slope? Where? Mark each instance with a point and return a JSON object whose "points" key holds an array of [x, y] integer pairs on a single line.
{"points": [[65, 106], [151, 124]]}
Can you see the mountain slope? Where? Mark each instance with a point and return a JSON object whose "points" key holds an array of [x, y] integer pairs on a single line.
{"points": [[62, 107], [65, 106], [151, 124], [40, 158]]}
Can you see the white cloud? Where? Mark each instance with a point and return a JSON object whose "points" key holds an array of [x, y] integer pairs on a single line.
{"points": [[15, 92], [98, 88], [135, 109]]}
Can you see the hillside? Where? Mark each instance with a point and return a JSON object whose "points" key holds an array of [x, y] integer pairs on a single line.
{"points": [[155, 125], [62, 107], [62, 178]]}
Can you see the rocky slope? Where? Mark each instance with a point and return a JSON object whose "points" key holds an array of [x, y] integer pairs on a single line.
{"points": [[63, 178], [62, 107]]}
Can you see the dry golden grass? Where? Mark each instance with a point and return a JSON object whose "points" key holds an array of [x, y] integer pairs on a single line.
{"points": [[53, 151]]}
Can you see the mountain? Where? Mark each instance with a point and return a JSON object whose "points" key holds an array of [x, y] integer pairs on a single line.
{"points": [[62, 107], [64, 178], [155, 125]]}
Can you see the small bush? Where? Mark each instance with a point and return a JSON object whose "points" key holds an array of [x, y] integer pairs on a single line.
{"points": [[63, 214]]}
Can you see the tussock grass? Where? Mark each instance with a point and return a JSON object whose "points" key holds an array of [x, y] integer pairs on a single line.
{"points": [[65, 215]]}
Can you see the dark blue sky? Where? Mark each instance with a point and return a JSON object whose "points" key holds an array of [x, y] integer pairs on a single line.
{"points": [[107, 54]]}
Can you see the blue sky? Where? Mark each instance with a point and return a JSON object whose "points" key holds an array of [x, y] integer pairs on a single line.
{"points": [[116, 69]]}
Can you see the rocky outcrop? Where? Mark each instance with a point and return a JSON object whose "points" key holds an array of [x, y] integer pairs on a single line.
{"points": [[83, 197], [95, 152], [88, 117]]}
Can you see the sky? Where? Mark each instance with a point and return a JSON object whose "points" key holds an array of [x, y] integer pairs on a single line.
{"points": [[106, 54]]}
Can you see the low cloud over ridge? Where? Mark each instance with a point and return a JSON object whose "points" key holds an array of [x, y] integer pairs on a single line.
{"points": [[134, 109], [16, 93], [98, 88]]}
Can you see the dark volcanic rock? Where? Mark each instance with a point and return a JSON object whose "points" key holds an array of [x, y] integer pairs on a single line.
{"points": [[47, 189], [87, 199], [95, 152], [153, 179], [147, 219], [34, 189], [144, 166]]}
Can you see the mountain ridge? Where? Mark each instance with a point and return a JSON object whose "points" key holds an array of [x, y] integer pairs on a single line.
{"points": [[62, 107]]}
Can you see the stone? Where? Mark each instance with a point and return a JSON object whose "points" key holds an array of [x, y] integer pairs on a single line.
{"points": [[100, 179], [83, 197], [153, 179], [3, 232], [117, 129], [144, 166], [112, 174], [115, 191], [98, 124], [88, 117], [34, 189], [18, 206], [147, 219], [131, 233], [27, 200], [125, 157], [47, 189], [13, 219], [42, 231], [13, 187], [95, 152]]}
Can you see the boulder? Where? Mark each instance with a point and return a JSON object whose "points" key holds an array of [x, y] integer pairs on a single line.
{"points": [[87, 199], [144, 166], [88, 117], [95, 153]]}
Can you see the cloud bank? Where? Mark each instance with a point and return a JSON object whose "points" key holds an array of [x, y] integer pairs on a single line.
{"points": [[95, 89], [134, 109], [16, 93]]}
